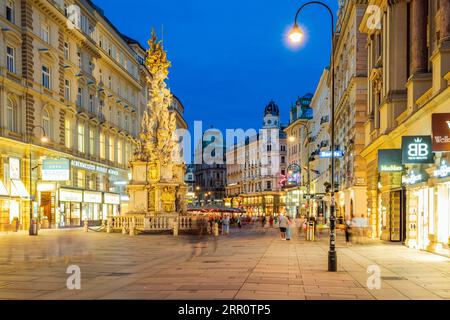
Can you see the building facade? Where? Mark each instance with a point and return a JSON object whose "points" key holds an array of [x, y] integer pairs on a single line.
{"points": [[350, 62], [70, 89], [299, 145], [210, 169], [408, 104], [255, 168], [319, 140]]}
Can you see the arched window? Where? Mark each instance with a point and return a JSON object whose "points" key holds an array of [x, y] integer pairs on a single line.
{"points": [[47, 123], [11, 115]]}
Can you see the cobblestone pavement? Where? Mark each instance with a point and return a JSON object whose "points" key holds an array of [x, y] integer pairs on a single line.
{"points": [[248, 264]]}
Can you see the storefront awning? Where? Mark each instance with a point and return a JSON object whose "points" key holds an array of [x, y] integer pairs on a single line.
{"points": [[3, 190], [18, 189]]}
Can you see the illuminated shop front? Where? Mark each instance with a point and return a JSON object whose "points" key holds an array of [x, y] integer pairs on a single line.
{"points": [[14, 196], [429, 210]]}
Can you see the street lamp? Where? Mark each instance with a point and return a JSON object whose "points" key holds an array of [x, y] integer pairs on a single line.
{"points": [[296, 36], [44, 139]]}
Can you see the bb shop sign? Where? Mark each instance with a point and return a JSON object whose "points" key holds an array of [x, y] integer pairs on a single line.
{"points": [[417, 149]]}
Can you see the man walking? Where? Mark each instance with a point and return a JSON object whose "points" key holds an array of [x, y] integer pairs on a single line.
{"points": [[282, 223]]}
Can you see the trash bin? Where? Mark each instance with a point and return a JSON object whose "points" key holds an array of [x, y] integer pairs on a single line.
{"points": [[33, 228], [310, 231]]}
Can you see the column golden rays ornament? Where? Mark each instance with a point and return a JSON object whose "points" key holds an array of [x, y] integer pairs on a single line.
{"points": [[157, 178], [158, 125]]}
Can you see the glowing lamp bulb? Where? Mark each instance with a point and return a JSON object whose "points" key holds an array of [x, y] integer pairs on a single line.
{"points": [[296, 35]]}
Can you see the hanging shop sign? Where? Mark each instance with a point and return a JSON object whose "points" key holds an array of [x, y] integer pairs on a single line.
{"points": [[55, 170], [416, 149], [443, 171], [14, 168], [327, 154], [390, 160], [93, 167], [111, 198], [92, 197], [413, 177], [440, 123], [68, 195], [46, 187]]}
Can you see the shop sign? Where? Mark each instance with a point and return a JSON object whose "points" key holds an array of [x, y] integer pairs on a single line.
{"points": [[111, 198], [55, 170], [45, 187], [14, 168], [327, 154], [440, 122], [390, 160], [412, 178], [93, 167], [92, 197], [416, 149], [443, 171], [67, 195]]}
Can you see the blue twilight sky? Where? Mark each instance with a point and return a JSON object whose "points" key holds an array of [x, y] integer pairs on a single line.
{"points": [[229, 58]]}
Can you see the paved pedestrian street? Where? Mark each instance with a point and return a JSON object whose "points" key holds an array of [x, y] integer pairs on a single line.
{"points": [[248, 264]]}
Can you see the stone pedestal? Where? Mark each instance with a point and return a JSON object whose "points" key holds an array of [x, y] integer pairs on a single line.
{"points": [[156, 190]]}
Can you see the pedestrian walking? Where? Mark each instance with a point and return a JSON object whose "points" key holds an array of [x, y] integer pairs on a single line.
{"points": [[282, 223], [271, 221], [239, 222], [348, 225], [288, 228], [226, 224], [263, 221]]}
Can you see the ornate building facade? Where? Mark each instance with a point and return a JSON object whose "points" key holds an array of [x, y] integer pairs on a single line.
{"points": [[409, 75], [71, 89], [350, 59], [255, 167]]}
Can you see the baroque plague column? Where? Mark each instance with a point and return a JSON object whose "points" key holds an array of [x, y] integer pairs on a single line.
{"points": [[157, 186]]}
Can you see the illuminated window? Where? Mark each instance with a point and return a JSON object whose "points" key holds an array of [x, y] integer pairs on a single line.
{"points": [[81, 138], [111, 148], [11, 115], [81, 177], [102, 145], [47, 123], [91, 142], [119, 152], [68, 133]]}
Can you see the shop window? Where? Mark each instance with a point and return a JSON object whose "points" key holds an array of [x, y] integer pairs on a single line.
{"points": [[81, 176]]}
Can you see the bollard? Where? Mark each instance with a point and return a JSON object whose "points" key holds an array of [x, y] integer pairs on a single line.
{"points": [[175, 228], [124, 228], [132, 225], [86, 229], [216, 229], [108, 225], [310, 231]]}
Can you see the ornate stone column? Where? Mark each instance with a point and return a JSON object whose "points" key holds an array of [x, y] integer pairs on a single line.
{"points": [[444, 20], [419, 36]]}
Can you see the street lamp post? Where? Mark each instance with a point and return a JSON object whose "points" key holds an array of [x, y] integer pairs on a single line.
{"points": [[296, 36], [44, 139]]}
